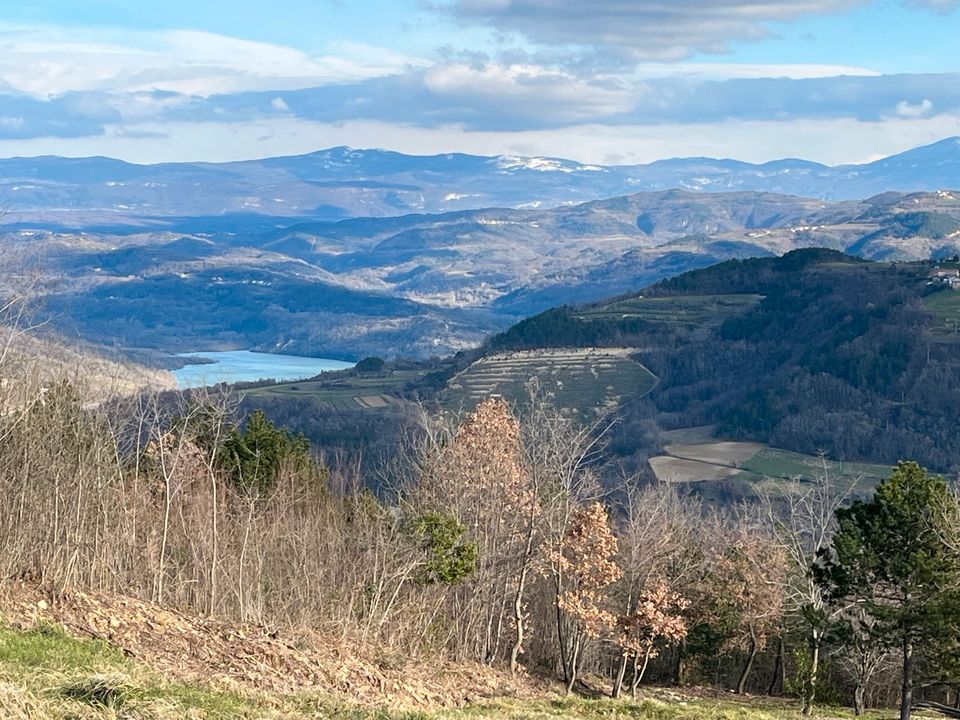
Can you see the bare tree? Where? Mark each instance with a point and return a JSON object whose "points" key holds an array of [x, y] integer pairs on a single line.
{"points": [[802, 517]]}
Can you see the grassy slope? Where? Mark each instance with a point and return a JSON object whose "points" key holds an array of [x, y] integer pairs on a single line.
{"points": [[784, 464], [58, 676], [945, 306], [771, 469], [45, 674], [343, 392], [693, 310]]}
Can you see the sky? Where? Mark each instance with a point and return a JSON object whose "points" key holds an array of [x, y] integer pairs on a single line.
{"points": [[600, 81]]}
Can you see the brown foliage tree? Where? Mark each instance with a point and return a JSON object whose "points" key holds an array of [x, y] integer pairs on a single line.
{"points": [[657, 617], [586, 560], [480, 478]]}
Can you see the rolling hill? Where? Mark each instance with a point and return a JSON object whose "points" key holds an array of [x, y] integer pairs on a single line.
{"points": [[784, 358], [425, 285], [814, 351]]}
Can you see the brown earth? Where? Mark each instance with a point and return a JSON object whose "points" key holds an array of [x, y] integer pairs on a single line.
{"points": [[232, 655]]}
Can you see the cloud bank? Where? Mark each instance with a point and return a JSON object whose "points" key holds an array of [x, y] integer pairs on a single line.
{"points": [[591, 81]]}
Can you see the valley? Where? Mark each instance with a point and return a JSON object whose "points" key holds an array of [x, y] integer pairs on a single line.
{"points": [[784, 358], [479, 359], [425, 285]]}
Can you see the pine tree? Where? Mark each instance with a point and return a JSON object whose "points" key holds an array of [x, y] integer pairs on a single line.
{"points": [[889, 556]]}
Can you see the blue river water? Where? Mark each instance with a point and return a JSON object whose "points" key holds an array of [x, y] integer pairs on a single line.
{"points": [[246, 366]]}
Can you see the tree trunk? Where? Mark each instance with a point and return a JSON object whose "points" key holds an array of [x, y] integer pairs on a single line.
{"points": [[810, 691], [776, 683], [574, 663], [561, 640], [518, 619], [858, 696], [906, 685], [748, 666], [638, 674], [678, 668], [621, 674]]}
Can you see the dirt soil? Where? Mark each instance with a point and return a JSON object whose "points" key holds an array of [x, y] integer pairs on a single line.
{"points": [[238, 656]]}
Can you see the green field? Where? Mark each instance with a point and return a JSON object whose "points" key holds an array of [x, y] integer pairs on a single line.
{"points": [[945, 306], [694, 310], [587, 381], [345, 392], [787, 465]]}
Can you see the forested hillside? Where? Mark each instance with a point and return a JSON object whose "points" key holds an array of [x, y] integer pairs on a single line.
{"points": [[814, 351]]}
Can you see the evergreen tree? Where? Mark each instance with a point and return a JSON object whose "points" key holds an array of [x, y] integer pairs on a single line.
{"points": [[890, 558], [255, 455]]}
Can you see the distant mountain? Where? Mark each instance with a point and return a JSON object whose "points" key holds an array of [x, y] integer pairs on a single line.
{"points": [[341, 183], [423, 285]]}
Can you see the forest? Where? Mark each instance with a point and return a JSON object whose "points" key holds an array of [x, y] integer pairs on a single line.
{"points": [[522, 537], [837, 357], [497, 546]]}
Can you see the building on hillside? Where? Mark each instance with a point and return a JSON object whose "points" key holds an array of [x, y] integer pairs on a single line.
{"points": [[948, 276]]}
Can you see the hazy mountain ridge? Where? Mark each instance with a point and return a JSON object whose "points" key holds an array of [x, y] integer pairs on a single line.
{"points": [[420, 285], [342, 182]]}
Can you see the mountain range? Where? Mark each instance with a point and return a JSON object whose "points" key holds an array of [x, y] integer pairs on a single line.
{"points": [[341, 182]]}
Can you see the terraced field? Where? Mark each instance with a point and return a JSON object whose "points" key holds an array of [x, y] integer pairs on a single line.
{"points": [[359, 392], [588, 381], [694, 310]]}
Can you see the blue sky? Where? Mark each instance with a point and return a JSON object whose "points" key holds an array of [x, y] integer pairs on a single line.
{"points": [[600, 81]]}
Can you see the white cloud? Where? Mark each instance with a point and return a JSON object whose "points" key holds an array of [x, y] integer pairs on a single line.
{"points": [[280, 105], [642, 29], [905, 110], [529, 90], [48, 61]]}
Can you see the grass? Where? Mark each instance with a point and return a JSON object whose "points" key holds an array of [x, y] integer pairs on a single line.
{"points": [[587, 381], [945, 306], [44, 673], [786, 465], [359, 392], [712, 462], [47, 675], [694, 310], [669, 707]]}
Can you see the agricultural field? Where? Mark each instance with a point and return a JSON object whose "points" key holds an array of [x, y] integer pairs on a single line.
{"points": [[786, 465], [691, 310], [945, 306], [589, 381], [345, 392], [755, 465]]}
